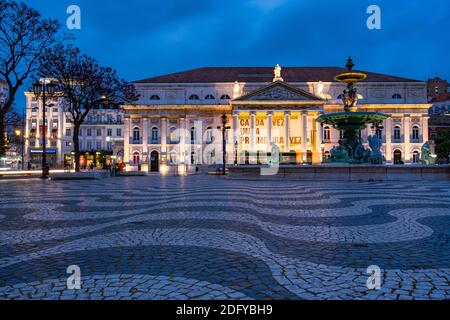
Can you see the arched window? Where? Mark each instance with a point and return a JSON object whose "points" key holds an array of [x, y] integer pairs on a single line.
{"points": [[194, 97], [136, 158], [415, 133], [209, 136], [173, 135], [155, 97], [136, 135], [155, 135], [326, 134], [225, 97], [398, 157], [193, 135], [209, 97], [416, 157], [327, 155], [379, 133], [397, 133], [397, 96]]}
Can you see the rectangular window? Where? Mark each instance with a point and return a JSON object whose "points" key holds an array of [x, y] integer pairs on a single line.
{"points": [[99, 132], [119, 132], [99, 145], [89, 145], [68, 132], [89, 132], [109, 133]]}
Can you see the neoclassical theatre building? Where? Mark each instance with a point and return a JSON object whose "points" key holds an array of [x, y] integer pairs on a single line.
{"points": [[177, 119]]}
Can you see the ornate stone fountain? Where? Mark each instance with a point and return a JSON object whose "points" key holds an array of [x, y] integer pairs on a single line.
{"points": [[351, 122]]}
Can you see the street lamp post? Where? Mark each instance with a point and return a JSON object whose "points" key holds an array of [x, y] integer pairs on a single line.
{"points": [[236, 149], [43, 89], [224, 141]]}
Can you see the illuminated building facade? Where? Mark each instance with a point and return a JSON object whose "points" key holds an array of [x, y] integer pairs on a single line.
{"points": [[177, 119]]}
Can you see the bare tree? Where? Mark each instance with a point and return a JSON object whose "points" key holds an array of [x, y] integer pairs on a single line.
{"points": [[83, 84], [24, 35]]}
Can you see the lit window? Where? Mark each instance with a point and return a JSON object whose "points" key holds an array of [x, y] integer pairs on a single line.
{"points": [[136, 158], [415, 133], [193, 135], [326, 134], [397, 133], [136, 134], [379, 133], [155, 135]]}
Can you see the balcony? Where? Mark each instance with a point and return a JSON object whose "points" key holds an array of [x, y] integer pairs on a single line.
{"points": [[135, 141], [154, 141]]}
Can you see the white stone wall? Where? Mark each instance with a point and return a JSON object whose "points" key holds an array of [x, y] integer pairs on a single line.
{"points": [[370, 93]]}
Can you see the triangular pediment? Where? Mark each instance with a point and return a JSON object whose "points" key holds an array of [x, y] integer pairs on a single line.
{"points": [[279, 91]]}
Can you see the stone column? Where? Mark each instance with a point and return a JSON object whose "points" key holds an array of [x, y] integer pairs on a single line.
{"points": [[145, 156], [164, 136], [235, 128], [304, 137], [388, 145], [425, 129], [236, 141], [252, 137], [145, 136], [182, 151], [287, 143], [126, 143], [407, 142], [317, 143], [198, 147], [269, 131]]}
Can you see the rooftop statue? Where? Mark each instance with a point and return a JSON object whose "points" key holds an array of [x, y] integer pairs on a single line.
{"points": [[236, 90], [277, 74]]}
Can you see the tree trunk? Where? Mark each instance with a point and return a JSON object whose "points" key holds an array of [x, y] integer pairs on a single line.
{"points": [[76, 146], [3, 135]]}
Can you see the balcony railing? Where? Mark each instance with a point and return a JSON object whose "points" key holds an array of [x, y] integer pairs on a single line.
{"points": [[135, 141]]}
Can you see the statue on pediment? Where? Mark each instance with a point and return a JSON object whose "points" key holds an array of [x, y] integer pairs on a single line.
{"points": [[236, 90], [277, 74]]}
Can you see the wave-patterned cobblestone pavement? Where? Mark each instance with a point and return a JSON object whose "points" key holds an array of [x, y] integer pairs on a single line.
{"points": [[212, 238]]}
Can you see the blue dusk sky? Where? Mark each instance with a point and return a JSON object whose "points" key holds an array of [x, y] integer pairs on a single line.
{"points": [[145, 38]]}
